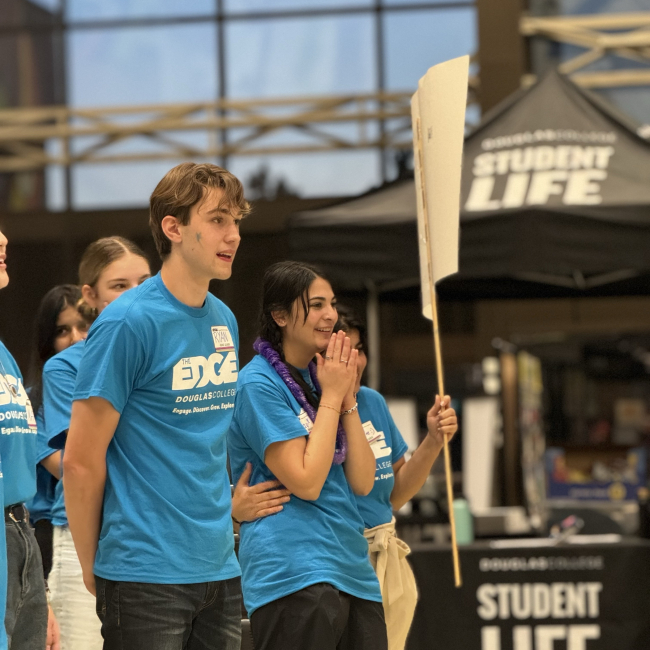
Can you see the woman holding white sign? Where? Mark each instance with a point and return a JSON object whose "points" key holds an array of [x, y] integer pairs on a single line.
{"points": [[397, 480]]}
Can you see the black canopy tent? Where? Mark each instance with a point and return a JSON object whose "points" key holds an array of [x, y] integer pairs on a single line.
{"points": [[555, 201]]}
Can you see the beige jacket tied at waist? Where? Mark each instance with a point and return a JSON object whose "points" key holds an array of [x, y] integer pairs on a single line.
{"points": [[398, 590]]}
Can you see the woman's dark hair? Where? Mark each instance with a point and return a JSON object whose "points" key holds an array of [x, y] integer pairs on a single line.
{"points": [[45, 331], [349, 321], [283, 284]]}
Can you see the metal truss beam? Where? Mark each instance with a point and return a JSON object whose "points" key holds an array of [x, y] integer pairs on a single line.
{"points": [[626, 36], [32, 138]]}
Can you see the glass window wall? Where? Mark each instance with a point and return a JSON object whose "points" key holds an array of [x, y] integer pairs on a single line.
{"points": [[143, 65], [429, 3], [300, 56], [146, 52], [242, 6], [416, 40], [344, 173], [80, 10], [111, 185]]}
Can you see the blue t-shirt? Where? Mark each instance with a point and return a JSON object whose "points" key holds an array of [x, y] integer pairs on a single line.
{"points": [[3, 576], [170, 370], [40, 506], [17, 433], [388, 446], [59, 378], [308, 541]]}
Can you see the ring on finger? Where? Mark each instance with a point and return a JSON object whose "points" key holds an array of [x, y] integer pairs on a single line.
{"points": [[328, 358], [344, 360]]}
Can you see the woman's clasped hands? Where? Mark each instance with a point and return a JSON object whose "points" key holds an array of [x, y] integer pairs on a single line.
{"points": [[337, 372]]}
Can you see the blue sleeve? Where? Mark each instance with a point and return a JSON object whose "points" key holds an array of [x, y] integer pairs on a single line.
{"points": [[43, 449], [58, 387], [399, 446], [10, 363], [397, 443], [112, 363], [234, 328], [264, 416]]}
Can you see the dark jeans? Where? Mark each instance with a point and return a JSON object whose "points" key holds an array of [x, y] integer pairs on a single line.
{"points": [[43, 533], [145, 616], [26, 616], [319, 617]]}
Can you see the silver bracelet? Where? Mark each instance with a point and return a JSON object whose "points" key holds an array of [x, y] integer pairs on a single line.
{"points": [[352, 410]]}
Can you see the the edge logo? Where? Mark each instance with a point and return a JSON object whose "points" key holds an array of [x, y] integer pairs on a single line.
{"points": [[377, 440], [6, 395], [197, 372]]}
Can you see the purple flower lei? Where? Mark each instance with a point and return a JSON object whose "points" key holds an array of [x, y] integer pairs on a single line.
{"points": [[265, 349]]}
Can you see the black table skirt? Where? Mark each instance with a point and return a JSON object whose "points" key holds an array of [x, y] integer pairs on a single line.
{"points": [[587, 597]]}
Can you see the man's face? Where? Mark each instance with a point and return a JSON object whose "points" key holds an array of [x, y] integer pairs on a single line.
{"points": [[211, 237]]}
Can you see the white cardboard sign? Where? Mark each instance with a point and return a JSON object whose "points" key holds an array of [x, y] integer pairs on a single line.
{"points": [[438, 107]]}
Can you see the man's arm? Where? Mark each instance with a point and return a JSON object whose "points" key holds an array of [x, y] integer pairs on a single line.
{"points": [[250, 502], [92, 427]]}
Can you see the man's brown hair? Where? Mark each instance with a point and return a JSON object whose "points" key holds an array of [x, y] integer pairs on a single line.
{"points": [[183, 187]]}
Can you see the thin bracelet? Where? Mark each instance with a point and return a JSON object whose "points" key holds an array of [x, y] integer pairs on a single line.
{"points": [[235, 520], [352, 410], [327, 406]]}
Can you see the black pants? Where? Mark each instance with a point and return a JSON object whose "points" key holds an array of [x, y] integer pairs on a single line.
{"points": [[43, 533], [319, 617], [145, 616]]}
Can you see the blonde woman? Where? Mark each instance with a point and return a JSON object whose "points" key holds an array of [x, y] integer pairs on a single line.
{"points": [[109, 267]]}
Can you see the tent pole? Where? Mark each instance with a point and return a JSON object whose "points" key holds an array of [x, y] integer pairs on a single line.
{"points": [[372, 322]]}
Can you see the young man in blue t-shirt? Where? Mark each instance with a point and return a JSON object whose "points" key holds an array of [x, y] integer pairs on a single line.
{"points": [[146, 487]]}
